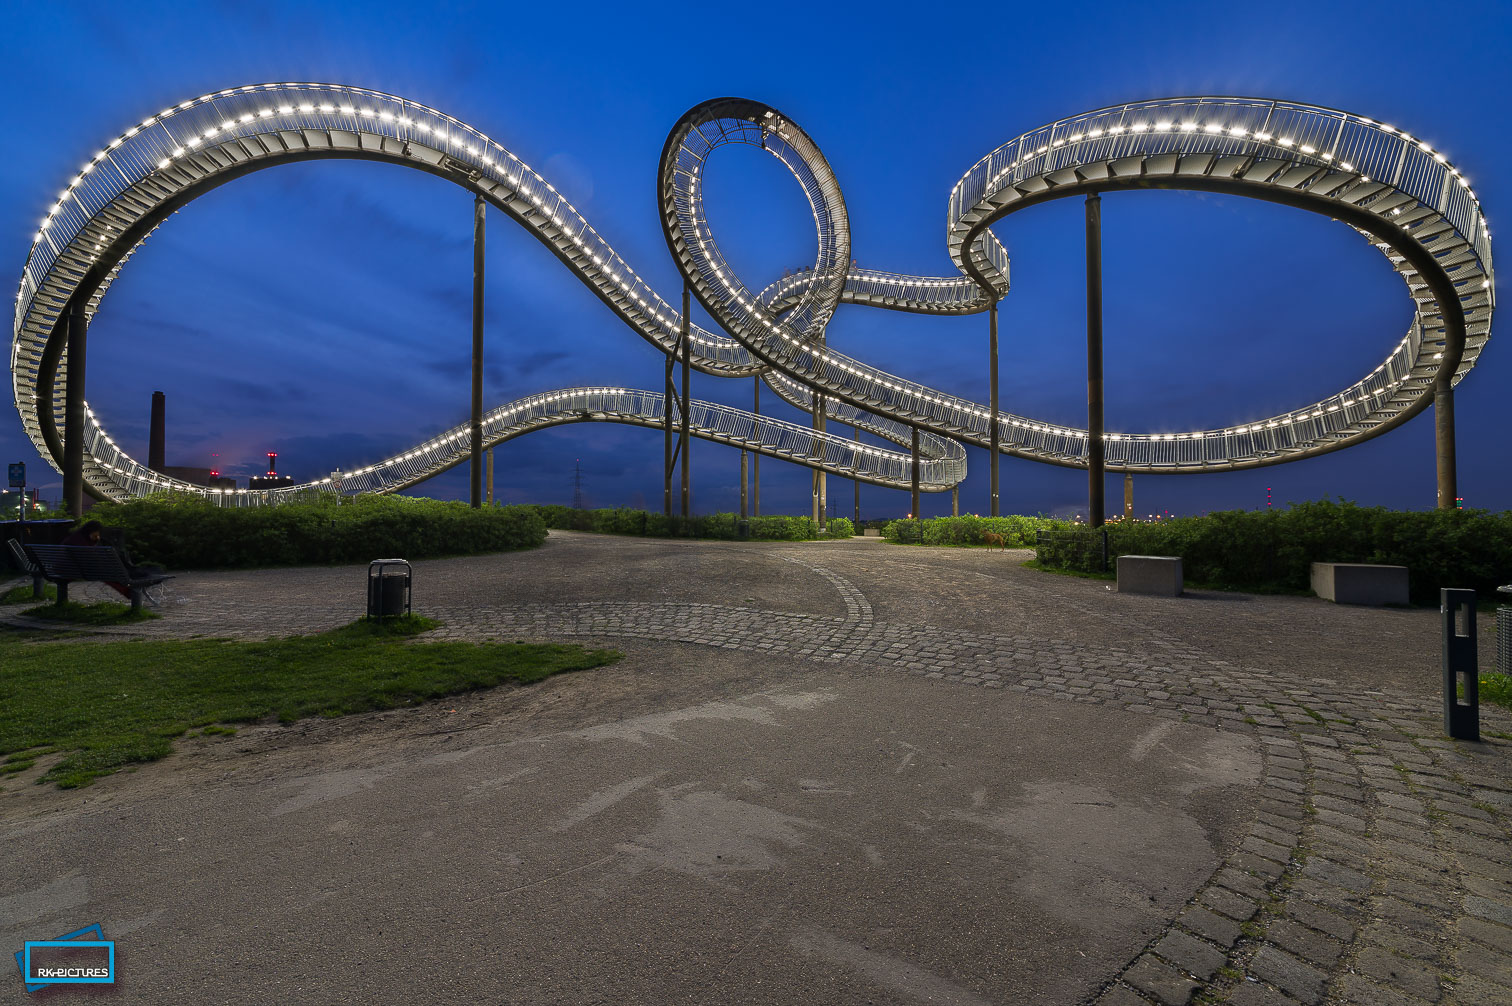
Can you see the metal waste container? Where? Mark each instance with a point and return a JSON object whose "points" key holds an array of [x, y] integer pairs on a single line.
{"points": [[388, 588]]}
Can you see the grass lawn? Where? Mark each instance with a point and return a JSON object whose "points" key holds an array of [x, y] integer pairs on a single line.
{"points": [[105, 705]]}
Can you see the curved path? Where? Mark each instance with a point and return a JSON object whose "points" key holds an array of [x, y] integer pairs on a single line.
{"points": [[857, 695], [1417, 207]]}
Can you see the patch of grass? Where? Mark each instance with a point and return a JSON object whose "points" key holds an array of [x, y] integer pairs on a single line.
{"points": [[99, 613], [23, 594], [1496, 689], [109, 705], [1035, 564]]}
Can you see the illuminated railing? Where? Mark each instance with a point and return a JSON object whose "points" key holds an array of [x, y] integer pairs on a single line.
{"points": [[128, 185]]}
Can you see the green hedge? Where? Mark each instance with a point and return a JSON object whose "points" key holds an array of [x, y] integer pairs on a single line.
{"points": [[724, 526], [191, 532], [1018, 531], [1273, 550]]}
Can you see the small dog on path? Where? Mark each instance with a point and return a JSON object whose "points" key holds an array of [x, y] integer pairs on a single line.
{"points": [[995, 539]]}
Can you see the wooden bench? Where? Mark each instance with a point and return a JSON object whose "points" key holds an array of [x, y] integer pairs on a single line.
{"points": [[63, 564], [26, 566]]}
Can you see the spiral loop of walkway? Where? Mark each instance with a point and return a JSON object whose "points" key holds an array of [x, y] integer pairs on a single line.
{"points": [[1417, 207]]}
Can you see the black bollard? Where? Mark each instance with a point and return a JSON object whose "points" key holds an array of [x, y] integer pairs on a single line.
{"points": [[1461, 716]]}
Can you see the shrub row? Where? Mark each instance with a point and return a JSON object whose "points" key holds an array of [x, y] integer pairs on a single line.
{"points": [[1273, 550], [719, 525], [191, 532], [1017, 531]]}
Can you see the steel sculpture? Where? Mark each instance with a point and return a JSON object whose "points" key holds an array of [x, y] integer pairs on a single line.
{"points": [[1405, 197]]}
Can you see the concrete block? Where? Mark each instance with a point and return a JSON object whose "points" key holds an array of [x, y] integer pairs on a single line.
{"points": [[1359, 583], [1150, 574]]}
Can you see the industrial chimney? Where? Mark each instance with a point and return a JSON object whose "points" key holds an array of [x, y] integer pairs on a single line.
{"points": [[156, 445]]}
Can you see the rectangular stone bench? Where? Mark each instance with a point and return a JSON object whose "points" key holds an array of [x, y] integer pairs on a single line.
{"points": [[1150, 574], [1359, 583]]}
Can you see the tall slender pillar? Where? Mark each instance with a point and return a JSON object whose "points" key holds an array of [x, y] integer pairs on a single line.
{"points": [[992, 378], [669, 398], [73, 410], [955, 500], [1095, 446], [1443, 435], [914, 477], [490, 475], [157, 441], [477, 353], [756, 461], [687, 349], [820, 505], [856, 431], [744, 483], [1128, 496]]}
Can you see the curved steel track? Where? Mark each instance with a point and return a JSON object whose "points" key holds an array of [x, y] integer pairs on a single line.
{"points": [[1405, 197]]}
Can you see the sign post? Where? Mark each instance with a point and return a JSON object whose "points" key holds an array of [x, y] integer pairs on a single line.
{"points": [[17, 478]]}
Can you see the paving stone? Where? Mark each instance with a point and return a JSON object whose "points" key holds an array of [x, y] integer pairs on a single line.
{"points": [[1228, 903], [1471, 991], [1220, 930], [1320, 919], [1355, 990], [1489, 933], [1399, 941], [1398, 973], [1269, 850], [1334, 873], [1295, 977], [1403, 916], [1241, 883], [1267, 869], [1250, 993], [1121, 995], [1304, 942], [1489, 965], [1161, 981], [1191, 954]]}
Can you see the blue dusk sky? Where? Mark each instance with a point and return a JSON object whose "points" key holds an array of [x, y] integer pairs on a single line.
{"points": [[322, 310]]}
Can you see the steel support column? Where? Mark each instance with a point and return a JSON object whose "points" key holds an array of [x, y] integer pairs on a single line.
{"points": [[477, 353], [820, 504], [490, 475], [914, 477], [856, 436], [992, 378], [1095, 446], [1443, 429], [1128, 496], [756, 461], [73, 410], [745, 467], [687, 348], [955, 500]]}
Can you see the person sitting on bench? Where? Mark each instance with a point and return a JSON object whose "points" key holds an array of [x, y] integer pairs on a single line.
{"points": [[89, 533]]}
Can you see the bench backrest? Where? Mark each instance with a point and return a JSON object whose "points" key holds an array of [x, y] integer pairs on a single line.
{"points": [[79, 562], [23, 561]]}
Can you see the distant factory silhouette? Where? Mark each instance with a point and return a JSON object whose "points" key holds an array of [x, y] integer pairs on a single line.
{"points": [[157, 451]]}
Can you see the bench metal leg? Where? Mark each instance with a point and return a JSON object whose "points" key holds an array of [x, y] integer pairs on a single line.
{"points": [[39, 585], [63, 592], [136, 600]]}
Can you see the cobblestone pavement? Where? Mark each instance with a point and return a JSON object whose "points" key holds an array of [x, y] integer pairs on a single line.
{"points": [[1376, 871]]}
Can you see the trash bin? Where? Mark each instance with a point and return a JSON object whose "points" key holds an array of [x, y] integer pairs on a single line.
{"points": [[389, 588]]}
